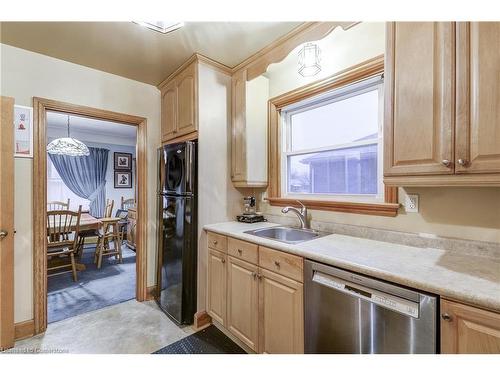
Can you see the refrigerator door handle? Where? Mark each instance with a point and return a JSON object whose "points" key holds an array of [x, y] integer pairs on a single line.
{"points": [[189, 166]]}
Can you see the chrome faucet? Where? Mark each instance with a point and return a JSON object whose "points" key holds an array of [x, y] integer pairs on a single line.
{"points": [[302, 214]]}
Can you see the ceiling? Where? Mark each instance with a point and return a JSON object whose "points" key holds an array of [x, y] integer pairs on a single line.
{"points": [[133, 51], [95, 127]]}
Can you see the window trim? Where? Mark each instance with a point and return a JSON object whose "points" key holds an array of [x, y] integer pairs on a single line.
{"points": [[354, 74]]}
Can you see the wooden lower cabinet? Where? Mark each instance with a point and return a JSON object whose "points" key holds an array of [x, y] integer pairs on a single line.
{"points": [[468, 330], [217, 282], [281, 317], [242, 301]]}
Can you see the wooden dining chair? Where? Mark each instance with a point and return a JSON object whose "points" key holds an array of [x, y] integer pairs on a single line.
{"points": [[57, 205], [109, 232], [127, 203], [108, 210], [63, 227]]}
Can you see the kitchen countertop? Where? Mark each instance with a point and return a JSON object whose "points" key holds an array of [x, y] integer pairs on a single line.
{"points": [[468, 278]]}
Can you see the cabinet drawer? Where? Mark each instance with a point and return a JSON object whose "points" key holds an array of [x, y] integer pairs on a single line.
{"points": [[242, 250], [217, 241], [282, 263]]}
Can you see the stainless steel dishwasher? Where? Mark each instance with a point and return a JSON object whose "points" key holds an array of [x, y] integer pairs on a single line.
{"points": [[349, 313]]}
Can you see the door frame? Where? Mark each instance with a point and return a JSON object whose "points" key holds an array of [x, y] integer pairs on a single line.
{"points": [[7, 223], [40, 108]]}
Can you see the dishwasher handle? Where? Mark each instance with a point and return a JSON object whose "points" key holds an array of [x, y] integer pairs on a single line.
{"points": [[391, 302]]}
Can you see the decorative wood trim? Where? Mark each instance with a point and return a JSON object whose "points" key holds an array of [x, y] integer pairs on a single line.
{"points": [[188, 137], [201, 320], [356, 73], [24, 329], [379, 209], [483, 179], [275, 52], [198, 57], [7, 222], [40, 106], [150, 293]]}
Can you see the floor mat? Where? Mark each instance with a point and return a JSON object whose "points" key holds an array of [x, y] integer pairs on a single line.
{"points": [[207, 341], [95, 289]]}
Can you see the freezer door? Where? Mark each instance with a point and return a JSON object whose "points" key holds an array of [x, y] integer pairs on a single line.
{"points": [[178, 164], [178, 258]]}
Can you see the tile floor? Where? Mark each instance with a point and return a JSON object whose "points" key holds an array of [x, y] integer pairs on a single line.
{"points": [[127, 328]]}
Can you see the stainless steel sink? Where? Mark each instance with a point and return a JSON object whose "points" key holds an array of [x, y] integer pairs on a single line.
{"points": [[286, 234]]}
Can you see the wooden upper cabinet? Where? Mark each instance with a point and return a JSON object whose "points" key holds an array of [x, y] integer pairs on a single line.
{"points": [[478, 98], [179, 104], [468, 330], [419, 98], [168, 111], [186, 100]]}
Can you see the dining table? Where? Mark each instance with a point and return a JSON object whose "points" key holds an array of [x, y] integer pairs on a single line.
{"points": [[87, 222]]}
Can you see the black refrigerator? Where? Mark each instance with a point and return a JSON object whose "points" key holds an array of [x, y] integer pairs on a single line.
{"points": [[178, 232]]}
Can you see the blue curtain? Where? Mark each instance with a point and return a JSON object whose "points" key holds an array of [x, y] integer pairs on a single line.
{"points": [[85, 176]]}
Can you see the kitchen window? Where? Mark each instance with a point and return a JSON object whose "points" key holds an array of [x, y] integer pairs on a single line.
{"points": [[325, 144], [332, 144]]}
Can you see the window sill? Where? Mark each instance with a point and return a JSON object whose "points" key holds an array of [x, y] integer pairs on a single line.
{"points": [[377, 209]]}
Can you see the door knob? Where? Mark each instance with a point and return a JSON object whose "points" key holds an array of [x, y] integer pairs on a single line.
{"points": [[3, 234]]}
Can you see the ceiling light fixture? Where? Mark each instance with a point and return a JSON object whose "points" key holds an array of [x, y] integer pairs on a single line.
{"points": [[68, 146], [309, 59], [163, 27]]}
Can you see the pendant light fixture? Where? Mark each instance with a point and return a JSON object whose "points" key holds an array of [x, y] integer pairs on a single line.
{"points": [[309, 58], [68, 146]]}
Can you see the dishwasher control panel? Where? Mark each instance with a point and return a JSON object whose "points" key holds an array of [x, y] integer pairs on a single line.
{"points": [[377, 297]]}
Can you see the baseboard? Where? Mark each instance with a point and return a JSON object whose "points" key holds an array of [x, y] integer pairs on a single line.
{"points": [[202, 320], [150, 293], [23, 330]]}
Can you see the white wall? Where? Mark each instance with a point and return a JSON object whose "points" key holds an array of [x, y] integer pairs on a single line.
{"points": [[218, 200], [467, 213], [26, 74]]}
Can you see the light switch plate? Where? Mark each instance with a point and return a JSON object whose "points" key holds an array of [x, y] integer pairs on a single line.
{"points": [[411, 203]]}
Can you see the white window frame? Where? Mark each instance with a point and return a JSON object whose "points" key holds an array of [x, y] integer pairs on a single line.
{"points": [[338, 94]]}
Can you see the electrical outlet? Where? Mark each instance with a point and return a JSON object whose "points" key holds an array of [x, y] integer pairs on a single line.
{"points": [[411, 203]]}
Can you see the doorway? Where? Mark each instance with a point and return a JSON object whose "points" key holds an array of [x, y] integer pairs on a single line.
{"points": [[43, 109]]}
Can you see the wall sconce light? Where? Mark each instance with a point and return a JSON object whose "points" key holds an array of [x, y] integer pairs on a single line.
{"points": [[309, 59]]}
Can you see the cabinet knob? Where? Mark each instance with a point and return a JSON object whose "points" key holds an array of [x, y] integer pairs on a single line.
{"points": [[462, 162], [276, 263], [223, 260], [215, 242], [240, 251], [446, 162], [254, 275], [259, 276], [3, 234], [446, 317]]}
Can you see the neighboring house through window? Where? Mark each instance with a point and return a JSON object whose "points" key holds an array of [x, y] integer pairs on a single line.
{"points": [[332, 144]]}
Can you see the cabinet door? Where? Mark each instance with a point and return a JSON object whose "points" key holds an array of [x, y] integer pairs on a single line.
{"points": [[468, 330], [419, 101], [478, 98], [242, 302], [281, 314], [238, 149], [217, 277], [168, 112], [186, 83]]}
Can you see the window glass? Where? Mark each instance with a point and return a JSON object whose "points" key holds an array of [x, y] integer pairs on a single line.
{"points": [[332, 145], [344, 121]]}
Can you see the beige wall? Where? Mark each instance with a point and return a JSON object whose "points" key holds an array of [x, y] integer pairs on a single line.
{"points": [[468, 213], [218, 200], [26, 74]]}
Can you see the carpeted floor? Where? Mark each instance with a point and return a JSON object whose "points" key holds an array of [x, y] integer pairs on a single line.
{"points": [[95, 289], [207, 341]]}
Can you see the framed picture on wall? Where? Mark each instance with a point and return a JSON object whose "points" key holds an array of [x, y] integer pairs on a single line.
{"points": [[23, 131], [123, 180], [123, 161]]}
